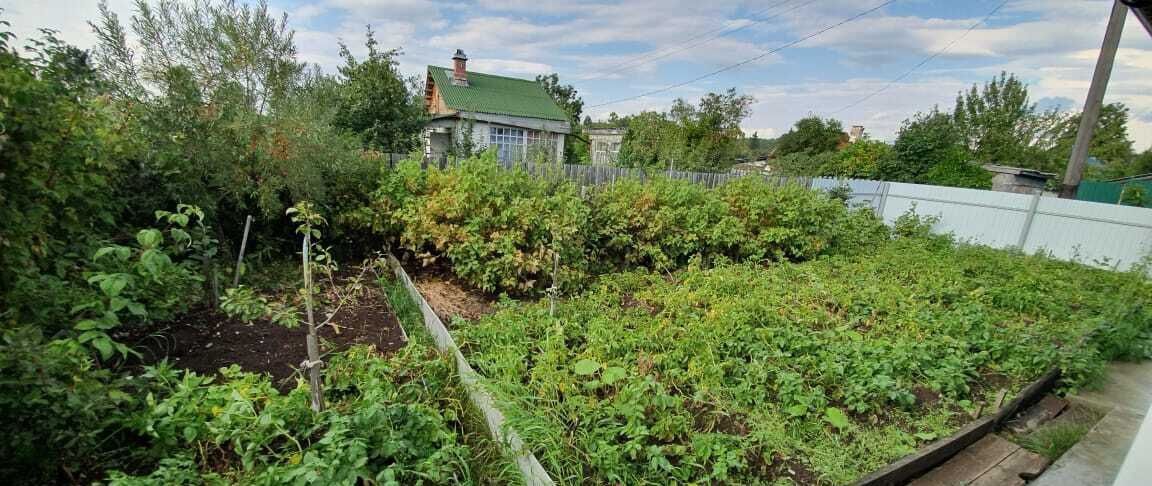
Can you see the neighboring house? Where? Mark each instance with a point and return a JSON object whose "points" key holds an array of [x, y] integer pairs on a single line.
{"points": [[762, 165], [477, 110], [604, 144]]}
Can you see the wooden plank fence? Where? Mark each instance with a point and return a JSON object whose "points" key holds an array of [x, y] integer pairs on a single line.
{"points": [[595, 175]]}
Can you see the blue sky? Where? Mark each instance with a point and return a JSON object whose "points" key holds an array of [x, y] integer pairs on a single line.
{"points": [[615, 50]]}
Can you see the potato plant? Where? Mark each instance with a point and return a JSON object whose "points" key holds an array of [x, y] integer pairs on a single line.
{"points": [[815, 371]]}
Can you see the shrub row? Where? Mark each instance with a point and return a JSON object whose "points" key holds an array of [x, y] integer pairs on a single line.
{"points": [[500, 230]]}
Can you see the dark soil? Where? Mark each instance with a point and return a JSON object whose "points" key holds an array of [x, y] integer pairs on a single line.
{"points": [[925, 397], [205, 340], [780, 467]]}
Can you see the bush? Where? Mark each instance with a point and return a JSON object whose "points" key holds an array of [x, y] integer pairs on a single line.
{"points": [[392, 420], [65, 413], [500, 230], [58, 144], [660, 224]]}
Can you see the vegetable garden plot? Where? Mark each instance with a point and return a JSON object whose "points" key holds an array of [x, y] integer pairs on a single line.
{"points": [[395, 418], [813, 373]]}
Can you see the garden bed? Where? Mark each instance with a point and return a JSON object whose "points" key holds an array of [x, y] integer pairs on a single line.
{"points": [[818, 372], [205, 339]]}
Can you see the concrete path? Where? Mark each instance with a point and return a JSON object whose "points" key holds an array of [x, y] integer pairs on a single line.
{"points": [[1125, 397]]}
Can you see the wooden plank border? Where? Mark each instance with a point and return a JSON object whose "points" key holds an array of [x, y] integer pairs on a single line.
{"points": [[912, 466], [530, 468]]}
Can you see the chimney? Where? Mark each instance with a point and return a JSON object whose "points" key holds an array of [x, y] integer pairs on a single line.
{"points": [[459, 71]]}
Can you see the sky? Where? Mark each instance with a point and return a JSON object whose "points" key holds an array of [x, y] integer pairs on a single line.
{"points": [[612, 52]]}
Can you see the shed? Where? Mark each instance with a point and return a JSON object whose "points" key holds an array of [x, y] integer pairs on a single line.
{"points": [[1017, 179]]}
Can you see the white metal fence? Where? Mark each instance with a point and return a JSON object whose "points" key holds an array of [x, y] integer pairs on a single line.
{"points": [[1089, 232]]}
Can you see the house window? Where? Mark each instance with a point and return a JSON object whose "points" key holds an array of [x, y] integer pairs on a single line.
{"points": [[509, 143], [541, 146]]}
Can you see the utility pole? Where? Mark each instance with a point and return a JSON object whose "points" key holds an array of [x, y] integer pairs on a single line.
{"points": [[1091, 113]]}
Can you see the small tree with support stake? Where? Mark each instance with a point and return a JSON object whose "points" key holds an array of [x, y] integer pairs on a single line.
{"points": [[304, 214]]}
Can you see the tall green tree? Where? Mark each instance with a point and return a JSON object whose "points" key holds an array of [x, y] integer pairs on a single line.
{"points": [[220, 114], [998, 124], [374, 101], [811, 135], [566, 96], [930, 150], [225, 48], [705, 136], [1110, 143]]}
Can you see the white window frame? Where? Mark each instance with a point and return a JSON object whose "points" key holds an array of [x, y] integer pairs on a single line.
{"points": [[509, 142]]}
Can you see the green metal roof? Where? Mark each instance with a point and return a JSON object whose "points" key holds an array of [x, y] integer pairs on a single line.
{"points": [[498, 95]]}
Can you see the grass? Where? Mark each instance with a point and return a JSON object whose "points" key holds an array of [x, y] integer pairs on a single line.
{"points": [[490, 461], [1053, 439]]}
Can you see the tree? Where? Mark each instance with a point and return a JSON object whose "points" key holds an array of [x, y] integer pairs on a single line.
{"points": [[224, 47], [564, 95], [218, 113], [705, 136], [754, 142], [374, 102], [1110, 144], [926, 141], [859, 160], [711, 129], [811, 135], [652, 140], [998, 124]]}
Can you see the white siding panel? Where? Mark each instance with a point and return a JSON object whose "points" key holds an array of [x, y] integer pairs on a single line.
{"points": [[984, 217], [1093, 233]]}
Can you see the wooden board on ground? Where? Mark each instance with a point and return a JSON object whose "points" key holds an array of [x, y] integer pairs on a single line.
{"points": [[990, 461], [1046, 409], [1021, 466], [970, 463]]}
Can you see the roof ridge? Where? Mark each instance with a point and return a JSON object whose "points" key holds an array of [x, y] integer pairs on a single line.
{"points": [[430, 66]]}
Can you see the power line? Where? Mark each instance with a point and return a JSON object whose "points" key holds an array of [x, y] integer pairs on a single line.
{"points": [[923, 61], [723, 31], [749, 60]]}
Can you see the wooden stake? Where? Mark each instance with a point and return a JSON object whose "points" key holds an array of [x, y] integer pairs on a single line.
{"points": [[554, 290], [240, 257], [313, 363]]}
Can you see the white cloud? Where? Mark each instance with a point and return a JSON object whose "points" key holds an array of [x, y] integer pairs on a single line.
{"points": [[509, 66], [70, 19]]}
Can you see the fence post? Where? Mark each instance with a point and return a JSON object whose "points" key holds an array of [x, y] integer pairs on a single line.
{"points": [[1028, 221], [884, 187]]}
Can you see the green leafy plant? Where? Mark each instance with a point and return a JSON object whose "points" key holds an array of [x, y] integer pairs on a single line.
{"points": [[840, 364]]}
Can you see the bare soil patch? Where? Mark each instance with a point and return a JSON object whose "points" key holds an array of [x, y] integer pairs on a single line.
{"points": [[205, 339], [448, 296], [450, 300]]}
